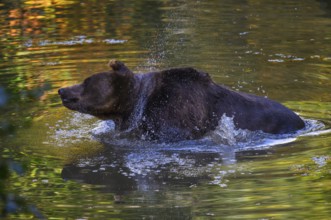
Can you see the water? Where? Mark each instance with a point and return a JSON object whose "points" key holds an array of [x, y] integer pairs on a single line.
{"points": [[55, 163]]}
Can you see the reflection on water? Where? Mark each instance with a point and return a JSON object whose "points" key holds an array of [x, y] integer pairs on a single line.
{"points": [[58, 164], [150, 165]]}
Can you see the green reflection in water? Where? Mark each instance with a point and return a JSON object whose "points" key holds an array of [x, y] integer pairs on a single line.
{"points": [[278, 49]]}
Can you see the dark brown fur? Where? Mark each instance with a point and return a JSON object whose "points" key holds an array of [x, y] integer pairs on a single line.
{"points": [[173, 104]]}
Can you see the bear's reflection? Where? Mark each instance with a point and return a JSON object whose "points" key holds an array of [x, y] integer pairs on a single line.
{"points": [[121, 169]]}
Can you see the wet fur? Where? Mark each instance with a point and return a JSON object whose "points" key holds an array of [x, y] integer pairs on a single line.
{"points": [[174, 104]]}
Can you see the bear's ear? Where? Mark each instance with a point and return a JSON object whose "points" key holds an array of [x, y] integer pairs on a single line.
{"points": [[119, 67]]}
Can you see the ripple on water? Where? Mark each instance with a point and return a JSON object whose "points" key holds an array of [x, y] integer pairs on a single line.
{"points": [[181, 159], [77, 40]]}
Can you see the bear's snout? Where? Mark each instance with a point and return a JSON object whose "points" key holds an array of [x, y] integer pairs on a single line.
{"points": [[66, 96], [61, 92]]}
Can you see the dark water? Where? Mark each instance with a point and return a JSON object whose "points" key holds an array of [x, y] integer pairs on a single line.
{"points": [[56, 164]]}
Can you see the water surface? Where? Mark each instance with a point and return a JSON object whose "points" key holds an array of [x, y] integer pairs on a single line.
{"points": [[56, 164]]}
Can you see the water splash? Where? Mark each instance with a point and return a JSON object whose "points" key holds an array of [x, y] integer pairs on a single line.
{"points": [[226, 133], [225, 136], [213, 156], [82, 127], [75, 130], [241, 139]]}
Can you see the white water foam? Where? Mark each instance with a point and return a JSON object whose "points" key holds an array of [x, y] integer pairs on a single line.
{"points": [[241, 139]]}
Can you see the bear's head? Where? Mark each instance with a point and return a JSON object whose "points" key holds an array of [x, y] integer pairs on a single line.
{"points": [[106, 95]]}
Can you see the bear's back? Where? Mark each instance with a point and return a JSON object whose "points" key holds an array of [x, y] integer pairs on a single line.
{"points": [[183, 75]]}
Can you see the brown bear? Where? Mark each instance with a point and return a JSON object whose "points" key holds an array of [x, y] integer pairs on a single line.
{"points": [[173, 104]]}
